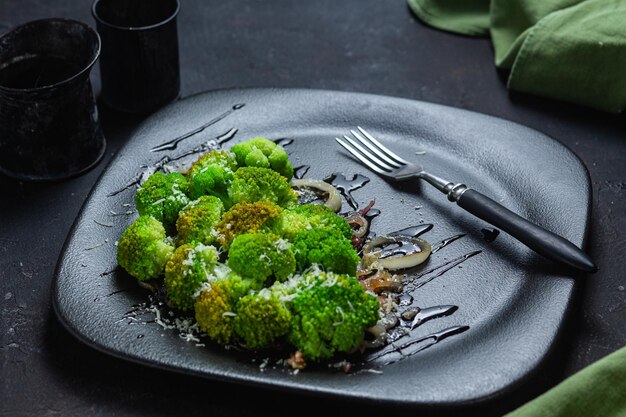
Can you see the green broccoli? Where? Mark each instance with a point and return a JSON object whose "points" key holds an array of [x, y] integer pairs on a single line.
{"points": [[329, 314], [143, 249], [197, 221], [309, 216], [212, 174], [187, 269], [263, 153], [245, 218], [251, 184], [327, 248], [261, 319], [162, 196], [216, 306], [259, 256]]}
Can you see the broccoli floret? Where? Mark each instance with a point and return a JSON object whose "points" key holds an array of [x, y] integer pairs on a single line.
{"points": [[212, 174], [261, 319], [327, 248], [309, 216], [251, 184], [259, 256], [162, 196], [197, 221], [187, 269], [143, 249], [329, 314], [263, 153], [245, 218], [216, 306]]}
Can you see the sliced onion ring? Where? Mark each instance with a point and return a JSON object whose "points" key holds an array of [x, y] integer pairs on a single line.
{"points": [[360, 221], [334, 199], [373, 254]]}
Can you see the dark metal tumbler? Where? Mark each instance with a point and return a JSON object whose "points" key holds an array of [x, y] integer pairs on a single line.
{"points": [[139, 64], [49, 126]]}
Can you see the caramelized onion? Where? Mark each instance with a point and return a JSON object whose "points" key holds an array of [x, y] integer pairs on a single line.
{"points": [[395, 252], [359, 224], [334, 199], [381, 281]]}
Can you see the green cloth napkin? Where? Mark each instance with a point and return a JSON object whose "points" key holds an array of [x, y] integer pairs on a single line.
{"points": [[571, 50], [598, 390]]}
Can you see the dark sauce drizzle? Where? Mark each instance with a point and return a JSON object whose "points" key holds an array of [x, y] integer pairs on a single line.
{"points": [[371, 214], [300, 171], [420, 318], [446, 242], [346, 186], [109, 272], [416, 345], [210, 145], [283, 141], [413, 231], [423, 278], [172, 144], [431, 313], [100, 297]]}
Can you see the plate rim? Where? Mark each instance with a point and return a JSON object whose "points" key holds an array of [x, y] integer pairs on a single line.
{"points": [[297, 388]]}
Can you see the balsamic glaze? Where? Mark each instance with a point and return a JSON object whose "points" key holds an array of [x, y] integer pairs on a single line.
{"points": [[159, 165], [346, 186], [416, 281], [100, 297], [105, 273], [413, 231], [371, 214], [430, 313], [399, 349], [172, 144], [446, 242], [283, 141], [300, 171]]}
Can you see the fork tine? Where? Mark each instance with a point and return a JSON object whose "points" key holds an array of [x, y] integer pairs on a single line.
{"points": [[367, 154], [375, 150], [361, 158], [382, 147]]}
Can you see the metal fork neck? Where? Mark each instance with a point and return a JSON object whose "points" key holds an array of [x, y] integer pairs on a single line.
{"points": [[453, 191]]}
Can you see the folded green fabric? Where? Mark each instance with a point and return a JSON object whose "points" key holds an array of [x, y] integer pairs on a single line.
{"points": [[598, 390], [571, 50]]}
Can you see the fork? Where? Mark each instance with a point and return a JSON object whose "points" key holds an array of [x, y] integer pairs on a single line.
{"points": [[387, 164]]}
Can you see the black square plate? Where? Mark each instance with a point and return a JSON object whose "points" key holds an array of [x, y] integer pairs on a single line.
{"points": [[513, 301]]}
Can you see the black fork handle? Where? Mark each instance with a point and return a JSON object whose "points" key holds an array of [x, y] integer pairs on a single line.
{"points": [[542, 241]]}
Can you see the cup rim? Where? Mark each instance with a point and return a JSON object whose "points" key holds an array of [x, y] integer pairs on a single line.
{"points": [[134, 28], [85, 69]]}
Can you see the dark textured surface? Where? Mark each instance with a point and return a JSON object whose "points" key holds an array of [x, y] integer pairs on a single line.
{"points": [[366, 46], [475, 366]]}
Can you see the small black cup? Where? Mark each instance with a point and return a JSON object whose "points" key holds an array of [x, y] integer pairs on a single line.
{"points": [[49, 126], [139, 64]]}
